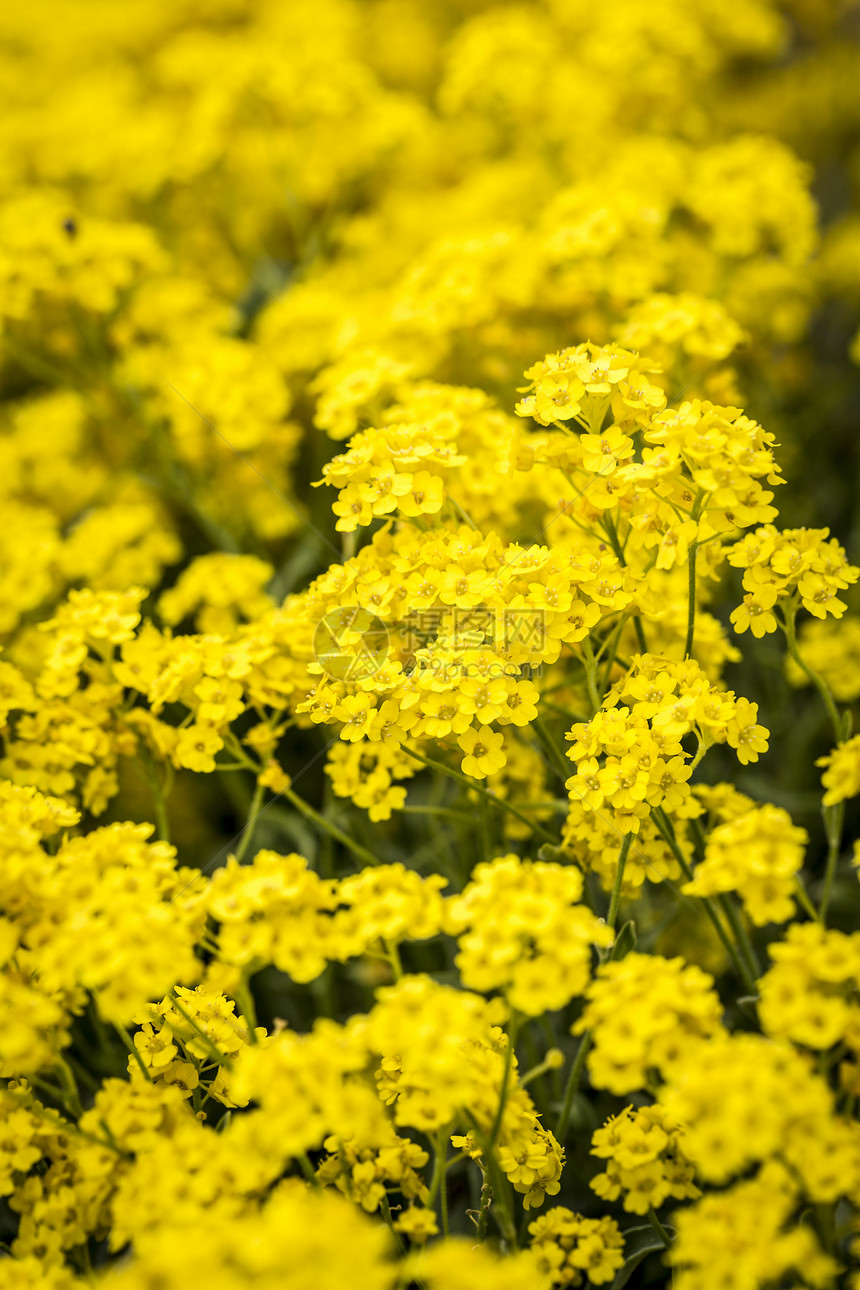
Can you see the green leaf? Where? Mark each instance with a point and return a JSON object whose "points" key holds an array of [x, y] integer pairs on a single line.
{"points": [[625, 942], [645, 1242], [549, 854], [277, 823], [307, 558]]}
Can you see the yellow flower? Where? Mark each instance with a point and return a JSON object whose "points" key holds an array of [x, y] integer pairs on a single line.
{"points": [[755, 612], [841, 778], [196, 748], [483, 749], [418, 1224]]}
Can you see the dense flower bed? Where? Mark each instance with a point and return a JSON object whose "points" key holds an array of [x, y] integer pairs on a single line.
{"points": [[427, 771]]}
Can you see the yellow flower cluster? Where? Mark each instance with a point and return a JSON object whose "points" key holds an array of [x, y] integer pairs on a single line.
{"points": [[522, 930], [353, 683], [809, 995], [749, 1235], [402, 468], [630, 757], [841, 778], [364, 770], [642, 1013], [759, 854], [73, 922], [646, 1164], [796, 567], [572, 1249], [278, 910], [745, 1099]]}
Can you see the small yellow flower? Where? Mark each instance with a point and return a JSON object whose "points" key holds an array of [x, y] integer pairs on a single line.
{"points": [[483, 749]]}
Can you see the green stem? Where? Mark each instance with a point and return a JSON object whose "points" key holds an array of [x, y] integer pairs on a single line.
{"points": [[322, 823], [610, 657], [535, 1072], [44, 1086], [612, 532], [132, 1048], [393, 956], [659, 1228], [464, 515], [562, 768], [701, 749], [67, 1079], [572, 1087], [834, 818], [805, 902], [475, 787], [158, 798], [438, 1168], [500, 1185], [818, 681], [740, 934], [441, 1159], [691, 579], [214, 1050], [385, 1208], [612, 916], [348, 544], [513, 1027], [691, 599], [668, 834], [248, 831], [245, 1002], [443, 812], [483, 1218], [486, 830], [591, 674]]}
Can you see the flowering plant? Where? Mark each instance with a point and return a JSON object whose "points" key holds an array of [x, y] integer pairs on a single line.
{"points": [[423, 865]]}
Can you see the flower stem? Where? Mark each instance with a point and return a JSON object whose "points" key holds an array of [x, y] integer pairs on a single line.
{"points": [[817, 680], [591, 675], [392, 953], [612, 916], [214, 1050], [612, 533], [441, 1161], [668, 834], [561, 767], [245, 1003], [158, 798], [476, 788], [572, 1087], [691, 580], [248, 831], [506, 1080], [834, 817], [659, 1228], [483, 1217], [385, 1208], [326, 825], [132, 1048], [740, 933], [499, 1183]]}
